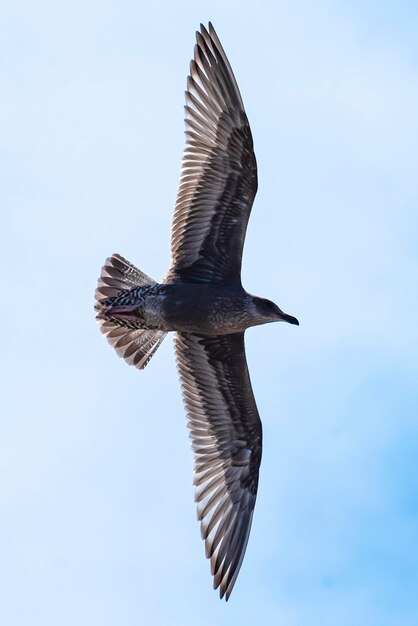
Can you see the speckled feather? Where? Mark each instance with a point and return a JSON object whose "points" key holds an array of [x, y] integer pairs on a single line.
{"points": [[120, 280]]}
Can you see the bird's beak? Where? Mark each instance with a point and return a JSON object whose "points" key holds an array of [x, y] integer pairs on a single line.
{"points": [[288, 318]]}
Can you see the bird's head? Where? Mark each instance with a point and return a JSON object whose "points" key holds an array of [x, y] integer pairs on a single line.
{"points": [[267, 311]]}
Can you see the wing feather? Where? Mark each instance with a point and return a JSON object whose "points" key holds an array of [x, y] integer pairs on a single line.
{"points": [[226, 434], [219, 173]]}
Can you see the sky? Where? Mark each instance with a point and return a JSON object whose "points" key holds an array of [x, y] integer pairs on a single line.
{"points": [[97, 519]]}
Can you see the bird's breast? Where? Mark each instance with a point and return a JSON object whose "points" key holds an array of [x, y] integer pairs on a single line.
{"points": [[204, 309]]}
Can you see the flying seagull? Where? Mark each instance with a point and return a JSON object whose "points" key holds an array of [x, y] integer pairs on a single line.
{"points": [[202, 300]]}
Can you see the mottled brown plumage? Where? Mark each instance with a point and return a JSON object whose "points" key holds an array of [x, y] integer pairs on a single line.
{"points": [[203, 301]]}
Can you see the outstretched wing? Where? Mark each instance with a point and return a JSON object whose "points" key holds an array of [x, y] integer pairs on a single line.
{"points": [[226, 433], [219, 171]]}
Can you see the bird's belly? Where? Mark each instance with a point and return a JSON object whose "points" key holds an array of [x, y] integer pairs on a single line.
{"points": [[214, 315], [204, 327]]}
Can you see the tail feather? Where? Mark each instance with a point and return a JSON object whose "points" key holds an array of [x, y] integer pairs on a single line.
{"points": [[119, 275], [135, 345]]}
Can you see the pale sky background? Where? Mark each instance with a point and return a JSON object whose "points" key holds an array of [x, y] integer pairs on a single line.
{"points": [[97, 519]]}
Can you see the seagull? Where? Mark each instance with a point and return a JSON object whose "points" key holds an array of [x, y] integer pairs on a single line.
{"points": [[203, 301]]}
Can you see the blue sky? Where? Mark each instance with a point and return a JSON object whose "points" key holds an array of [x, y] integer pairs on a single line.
{"points": [[96, 504]]}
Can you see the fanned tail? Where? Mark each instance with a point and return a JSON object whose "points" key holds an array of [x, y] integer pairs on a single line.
{"points": [[135, 345]]}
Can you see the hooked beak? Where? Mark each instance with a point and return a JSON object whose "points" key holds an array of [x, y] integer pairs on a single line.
{"points": [[288, 318]]}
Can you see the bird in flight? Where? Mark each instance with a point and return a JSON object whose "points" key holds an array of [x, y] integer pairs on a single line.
{"points": [[202, 300]]}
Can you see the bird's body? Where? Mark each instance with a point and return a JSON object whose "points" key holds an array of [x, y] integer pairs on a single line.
{"points": [[190, 307], [202, 300]]}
